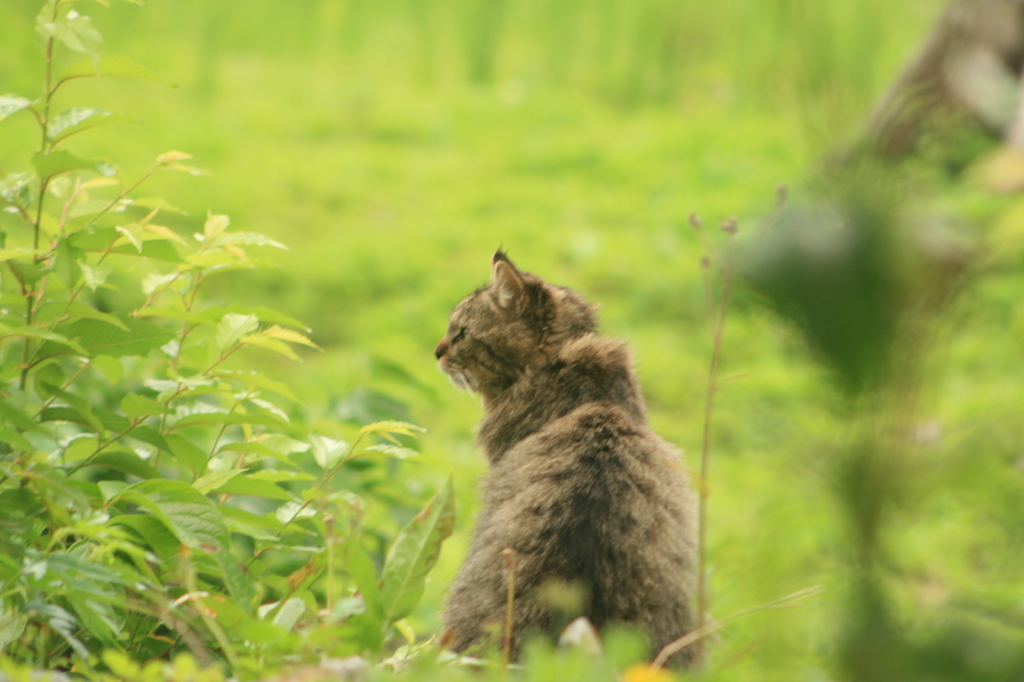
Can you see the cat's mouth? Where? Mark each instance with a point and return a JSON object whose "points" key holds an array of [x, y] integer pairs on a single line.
{"points": [[459, 376]]}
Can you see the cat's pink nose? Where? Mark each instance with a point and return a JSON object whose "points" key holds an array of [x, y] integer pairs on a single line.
{"points": [[441, 349]]}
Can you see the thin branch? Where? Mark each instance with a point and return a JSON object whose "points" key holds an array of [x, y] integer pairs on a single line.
{"points": [[700, 633], [319, 486], [712, 386], [781, 194], [135, 422], [510, 569]]}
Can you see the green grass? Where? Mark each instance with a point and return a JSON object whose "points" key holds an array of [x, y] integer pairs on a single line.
{"points": [[394, 145]]}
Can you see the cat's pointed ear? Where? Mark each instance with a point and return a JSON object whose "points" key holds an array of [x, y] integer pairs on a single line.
{"points": [[507, 281]]}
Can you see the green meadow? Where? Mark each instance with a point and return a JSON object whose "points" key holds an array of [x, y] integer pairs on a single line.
{"points": [[392, 146]]}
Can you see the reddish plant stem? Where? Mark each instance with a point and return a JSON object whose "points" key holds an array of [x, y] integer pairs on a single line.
{"points": [[718, 326]]}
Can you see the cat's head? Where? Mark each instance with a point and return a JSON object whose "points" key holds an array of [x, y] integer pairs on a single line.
{"points": [[517, 321]]}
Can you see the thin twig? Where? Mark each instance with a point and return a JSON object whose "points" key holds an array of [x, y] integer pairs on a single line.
{"points": [[781, 194], [134, 423], [510, 569], [319, 486], [700, 633], [719, 326]]}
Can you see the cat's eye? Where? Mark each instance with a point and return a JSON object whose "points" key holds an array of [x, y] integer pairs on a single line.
{"points": [[461, 335]]}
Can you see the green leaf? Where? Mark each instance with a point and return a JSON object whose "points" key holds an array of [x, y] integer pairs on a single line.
{"points": [[79, 404], [391, 451], [97, 617], [263, 419], [291, 336], [283, 444], [151, 531], [414, 553], [215, 224], [11, 104], [28, 270], [247, 238], [11, 628], [149, 436], [254, 487], [257, 379], [213, 480], [111, 489], [365, 576], [217, 260], [78, 119], [62, 414], [290, 612], [110, 65], [109, 367], [326, 451], [19, 189], [17, 252], [252, 446], [271, 344], [187, 452], [258, 448], [64, 624], [76, 310], [135, 405], [75, 31], [277, 476], [155, 280], [125, 462], [100, 239], [194, 519], [232, 328], [237, 579], [44, 335], [95, 276], [104, 339], [174, 156], [67, 263], [15, 440], [159, 249], [293, 511], [94, 238], [57, 162], [264, 314], [264, 527], [80, 448], [13, 415], [390, 427]]}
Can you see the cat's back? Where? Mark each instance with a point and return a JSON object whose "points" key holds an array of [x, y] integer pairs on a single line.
{"points": [[595, 497]]}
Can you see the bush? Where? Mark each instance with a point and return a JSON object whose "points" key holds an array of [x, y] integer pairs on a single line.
{"points": [[155, 498]]}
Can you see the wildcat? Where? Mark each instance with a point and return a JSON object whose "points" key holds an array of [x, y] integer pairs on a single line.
{"points": [[579, 487]]}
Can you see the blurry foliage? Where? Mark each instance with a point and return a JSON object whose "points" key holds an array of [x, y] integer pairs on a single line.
{"points": [[155, 498], [867, 283]]}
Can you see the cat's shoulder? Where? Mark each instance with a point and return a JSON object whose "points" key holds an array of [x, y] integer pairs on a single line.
{"points": [[596, 352]]}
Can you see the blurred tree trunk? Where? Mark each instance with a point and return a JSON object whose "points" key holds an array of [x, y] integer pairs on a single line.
{"points": [[970, 64]]}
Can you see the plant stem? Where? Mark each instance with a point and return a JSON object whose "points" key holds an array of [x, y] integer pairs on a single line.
{"points": [[510, 568], [716, 352], [698, 635], [320, 484], [211, 624], [44, 125], [135, 422]]}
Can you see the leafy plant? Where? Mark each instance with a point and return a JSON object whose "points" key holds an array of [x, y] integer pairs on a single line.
{"points": [[155, 496]]}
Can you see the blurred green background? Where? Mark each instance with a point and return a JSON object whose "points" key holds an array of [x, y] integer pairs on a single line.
{"points": [[393, 145]]}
